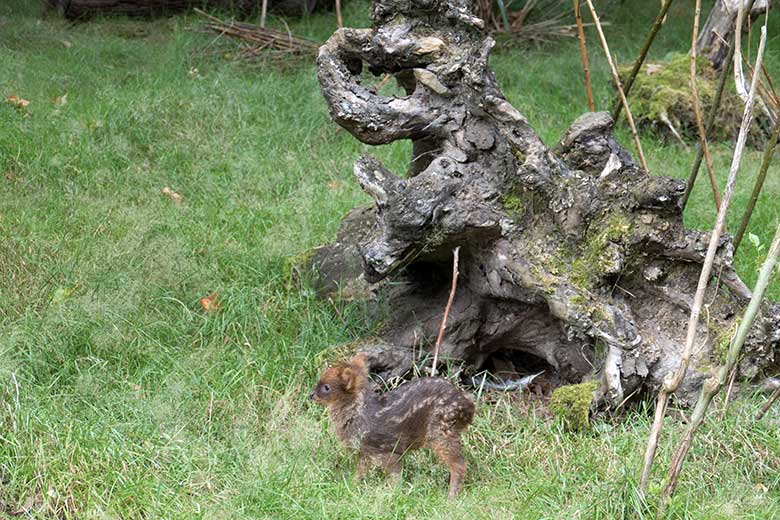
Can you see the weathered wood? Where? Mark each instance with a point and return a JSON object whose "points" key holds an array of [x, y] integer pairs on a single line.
{"points": [[572, 258], [713, 41]]}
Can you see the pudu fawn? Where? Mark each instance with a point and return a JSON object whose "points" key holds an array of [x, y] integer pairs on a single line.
{"points": [[426, 412]]}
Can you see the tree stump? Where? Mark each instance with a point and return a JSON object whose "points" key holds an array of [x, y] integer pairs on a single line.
{"points": [[573, 259], [714, 37]]}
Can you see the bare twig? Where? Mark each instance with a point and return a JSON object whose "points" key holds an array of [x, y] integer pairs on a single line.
{"points": [[584, 53], [339, 20], [759, 185], [714, 107], [263, 10], [659, 21], [768, 404], [728, 393], [739, 74], [616, 79], [713, 113], [504, 17], [446, 309], [261, 39], [697, 112], [713, 385], [673, 380]]}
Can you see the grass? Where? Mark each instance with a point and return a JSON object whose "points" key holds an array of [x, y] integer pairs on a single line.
{"points": [[119, 398]]}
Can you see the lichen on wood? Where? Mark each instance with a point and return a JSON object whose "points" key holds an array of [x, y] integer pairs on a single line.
{"points": [[573, 259]]}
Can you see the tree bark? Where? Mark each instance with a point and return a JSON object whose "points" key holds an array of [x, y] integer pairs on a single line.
{"points": [[573, 259], [715, 35]]}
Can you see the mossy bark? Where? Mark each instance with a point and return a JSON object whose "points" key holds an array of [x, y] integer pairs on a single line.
{"points": [[572, 255]]}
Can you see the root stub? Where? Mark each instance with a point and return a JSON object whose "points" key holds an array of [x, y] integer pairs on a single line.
{"points": [[572, 257]]}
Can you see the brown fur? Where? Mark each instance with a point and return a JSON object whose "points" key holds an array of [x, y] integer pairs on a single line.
{"points": [[427, 412]]}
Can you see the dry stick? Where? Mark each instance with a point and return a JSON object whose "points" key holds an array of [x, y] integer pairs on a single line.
{"points": [[584, 53], [263, 10], [713, 385], [673, 380], [446, 309], [339, 21], [616, 79], [759, 185], [724, 74], [728, 393], [659, 21], [768, 404], [697, 112]]}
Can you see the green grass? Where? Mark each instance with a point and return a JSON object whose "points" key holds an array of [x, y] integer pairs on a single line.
{"points": [[119, 398]]}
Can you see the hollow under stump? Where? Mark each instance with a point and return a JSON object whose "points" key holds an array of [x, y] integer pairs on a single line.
{"points": [[572, 259]]}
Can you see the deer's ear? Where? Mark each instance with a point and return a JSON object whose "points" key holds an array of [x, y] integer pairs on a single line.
{"points": [[349, 379], [359, 361]]}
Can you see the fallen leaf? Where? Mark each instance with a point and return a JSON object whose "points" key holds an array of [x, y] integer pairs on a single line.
{"points": [[211, 303], [9, 175], [334, 185], [17, 101], [175, 197], [60, 101], [66, 44]]}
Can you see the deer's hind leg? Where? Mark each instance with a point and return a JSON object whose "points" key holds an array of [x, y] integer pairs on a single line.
{"points": [[449, 450]]}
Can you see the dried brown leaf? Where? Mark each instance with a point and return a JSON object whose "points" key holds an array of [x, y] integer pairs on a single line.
{"points": [[175, 197], [211, 303], [17, 101]]}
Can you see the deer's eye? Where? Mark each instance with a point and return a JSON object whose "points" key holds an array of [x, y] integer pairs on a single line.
{"points": [[326, 389]]}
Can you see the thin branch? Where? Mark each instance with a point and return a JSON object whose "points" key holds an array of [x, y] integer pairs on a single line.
{"points": [[263, 10], [446, 309], [659, 21], [728, 393], [504, 18], [724, 75], [768, 404], [673, 380], [584, 53], [616, 79], [739, 73], [339, 20], [759, 185], [696, 110], [713, 385]]}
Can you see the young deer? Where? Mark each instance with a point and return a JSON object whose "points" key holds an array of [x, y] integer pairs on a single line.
{"points": [[426, 412]]}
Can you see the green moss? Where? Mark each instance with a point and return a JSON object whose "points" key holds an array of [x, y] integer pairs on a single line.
{"points": [[662, 91], [514, 206], [723, 342], [435, 238], [571, 405], [592, 260], [520, 156], [298, 267]]}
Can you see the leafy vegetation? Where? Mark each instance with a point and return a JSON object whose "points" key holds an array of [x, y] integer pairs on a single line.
{"points": [[120, 397]]}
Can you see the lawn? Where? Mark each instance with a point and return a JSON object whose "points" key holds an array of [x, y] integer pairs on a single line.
{"points": [[121, 398]]}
